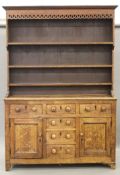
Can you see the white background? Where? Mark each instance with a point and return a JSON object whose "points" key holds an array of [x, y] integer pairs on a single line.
{"points": [[58, 2]]}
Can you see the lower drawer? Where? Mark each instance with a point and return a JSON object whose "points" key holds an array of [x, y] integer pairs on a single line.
{"points": [[61, 137], [60, 151]]}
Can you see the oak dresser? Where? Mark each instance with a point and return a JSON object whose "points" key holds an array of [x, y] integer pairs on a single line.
{"points": [[60, 106]]}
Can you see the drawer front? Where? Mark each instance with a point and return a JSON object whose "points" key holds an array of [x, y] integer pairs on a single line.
{"points": [[61, 109], [60, 151], [104, 108], [87, 109], [25, 109], [93, 110], [18, 109], [35, 109], [56, 123], [63, 137]]}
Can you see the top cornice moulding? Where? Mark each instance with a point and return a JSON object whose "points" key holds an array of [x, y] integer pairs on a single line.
{"points": [[60, 12], [61, 7]]}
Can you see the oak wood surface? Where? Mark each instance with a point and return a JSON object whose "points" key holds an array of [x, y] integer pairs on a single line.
{"points": [[60, 107]]}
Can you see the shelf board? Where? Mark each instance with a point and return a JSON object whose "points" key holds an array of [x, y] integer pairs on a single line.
{"points": [[79, 96], [59, 66], [60, 43], [58, 84]]}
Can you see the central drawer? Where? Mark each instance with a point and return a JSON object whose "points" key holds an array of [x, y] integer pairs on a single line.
{"points": [[61, 109], [60, 151], [61, 123], [62, 137]]}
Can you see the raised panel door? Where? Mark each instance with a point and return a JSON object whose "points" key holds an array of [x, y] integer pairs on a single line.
{"points": [[26, 138], [95, 136]]}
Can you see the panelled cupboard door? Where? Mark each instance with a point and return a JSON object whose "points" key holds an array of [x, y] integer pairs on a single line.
{"points": [[26, 138], [95, 134]]}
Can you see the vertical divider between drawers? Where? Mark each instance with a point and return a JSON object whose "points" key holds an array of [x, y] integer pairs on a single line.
{"points": [[44, 138], [77, 136]]}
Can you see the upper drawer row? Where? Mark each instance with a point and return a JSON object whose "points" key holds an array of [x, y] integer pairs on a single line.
{"points": [[83, 109]]}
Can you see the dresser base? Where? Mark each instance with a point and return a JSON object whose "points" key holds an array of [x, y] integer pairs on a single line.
{"points": [[60, 131], [103, 161]]}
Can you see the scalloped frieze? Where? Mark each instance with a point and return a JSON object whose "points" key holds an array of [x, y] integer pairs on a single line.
{"points": [[60, 14]]}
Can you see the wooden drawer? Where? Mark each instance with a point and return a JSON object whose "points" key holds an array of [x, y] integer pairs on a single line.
{"points": [[60, 151], [93, 110], [25, 109], [55, 123], [63, 137], [87, 109], [104, 108], [61, 109]]}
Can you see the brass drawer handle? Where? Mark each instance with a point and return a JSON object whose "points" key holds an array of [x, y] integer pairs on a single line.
{"points": [[34, 109], [53, 123], [54, 151], [53, 136], [68, 136], [53, 109], [103, 108], [87, 108], [68, 122], [17, 109], [68, 109]]}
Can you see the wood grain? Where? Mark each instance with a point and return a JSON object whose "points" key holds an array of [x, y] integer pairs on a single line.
{"points": [[60, 107]]}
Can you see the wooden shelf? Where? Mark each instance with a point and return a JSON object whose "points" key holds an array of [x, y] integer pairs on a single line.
{"points": [[60, 43], [77, 96], [59, 66], [59, 84], [52, 59]]}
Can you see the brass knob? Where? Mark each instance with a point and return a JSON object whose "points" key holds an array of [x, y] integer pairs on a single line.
{"points": [[67, 150], [53, 136], [53, 109], [68, 109], [17, 109], [34, 109], [53, 123], [68, 136], [81, 134], [103, 108], [54, 151], [87, 108], [68, 122]]}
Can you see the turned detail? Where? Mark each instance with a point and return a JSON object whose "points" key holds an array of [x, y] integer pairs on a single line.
{"points": [[53, 136], [103, 109], [17, 109], [68, 122], [53, 109], [53, 123], [68, 109], [68, 136], [34, 109], [88, 108], [54, 151]]}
